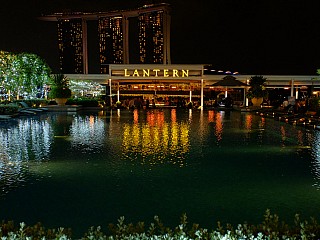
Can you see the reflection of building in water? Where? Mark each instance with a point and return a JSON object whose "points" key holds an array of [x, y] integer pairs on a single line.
{"points": [[248, 122], [156, 142], [87, 132], [219, 126], [211, 116], [173, 115], [29, 140], [315, 146]]}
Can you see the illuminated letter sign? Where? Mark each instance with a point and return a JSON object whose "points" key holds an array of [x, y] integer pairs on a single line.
{"points": [[126, 73], [156, 71], [185, 73], [165, 73], [135, 73], [146, 73]]}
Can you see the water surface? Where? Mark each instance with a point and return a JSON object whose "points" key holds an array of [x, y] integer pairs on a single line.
{"points": [[90, 168]]}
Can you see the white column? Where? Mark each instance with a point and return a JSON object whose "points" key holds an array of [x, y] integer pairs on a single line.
{"points": [[292, 88], [118, 92], [201, 94], [246, 90]]}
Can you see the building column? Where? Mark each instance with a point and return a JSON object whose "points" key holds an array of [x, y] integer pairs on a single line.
{"points": [[166, 38], [201, 94], [292, 88], [110, 87], [84, 46], [118, 92]]}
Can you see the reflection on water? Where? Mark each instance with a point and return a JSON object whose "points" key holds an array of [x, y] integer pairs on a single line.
{"points": [[315, 139], [230, 165], [87, 132], [30, 140], [156, 141], [219, 126]]}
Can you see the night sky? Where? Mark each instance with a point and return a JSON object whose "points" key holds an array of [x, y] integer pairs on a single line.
{"points": [[251, 37]]}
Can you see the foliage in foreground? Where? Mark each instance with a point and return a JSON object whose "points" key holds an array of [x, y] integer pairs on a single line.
{"points": [[270, 228]]}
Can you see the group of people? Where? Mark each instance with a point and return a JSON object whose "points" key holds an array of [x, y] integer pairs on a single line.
{"points": [[298, 106], [138, 103]]}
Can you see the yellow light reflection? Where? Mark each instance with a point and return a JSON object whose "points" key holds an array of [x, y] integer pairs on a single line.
{"points": [[136, 116], [262, 123], [248, 122], [173, 115], [210, 116], [156, 142], [219, 126]]}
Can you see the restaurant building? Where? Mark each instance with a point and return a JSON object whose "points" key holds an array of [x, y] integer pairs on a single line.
{"points": [[193, 82], [150, 74]]}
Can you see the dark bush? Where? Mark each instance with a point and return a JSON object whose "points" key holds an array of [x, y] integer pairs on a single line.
{"points": [[8, 109]]}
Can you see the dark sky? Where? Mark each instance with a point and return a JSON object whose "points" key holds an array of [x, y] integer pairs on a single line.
{"points": [[248, 36]]}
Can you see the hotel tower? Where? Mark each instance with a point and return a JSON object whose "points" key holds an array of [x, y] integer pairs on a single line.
{"points": [[153, 28]]}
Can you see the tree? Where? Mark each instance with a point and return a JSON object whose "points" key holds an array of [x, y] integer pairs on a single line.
{"points": [[30, 73], [6, 71], [59, 87], [23, 73], [257, 88]]}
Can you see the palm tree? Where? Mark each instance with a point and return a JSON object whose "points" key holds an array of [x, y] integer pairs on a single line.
{"points": [[60, 88], [257, 88]]}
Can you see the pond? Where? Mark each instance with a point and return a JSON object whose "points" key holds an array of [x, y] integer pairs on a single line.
{"points": [[90, 168]]}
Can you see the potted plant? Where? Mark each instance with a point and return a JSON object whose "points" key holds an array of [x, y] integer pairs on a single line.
{"points": [[118, 104], [257, 90], [60, 90]]}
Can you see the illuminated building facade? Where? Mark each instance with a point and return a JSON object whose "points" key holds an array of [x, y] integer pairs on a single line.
{"points": [[151, 37], [70, 44], [110, 42], [113, 33], [154, 75]]}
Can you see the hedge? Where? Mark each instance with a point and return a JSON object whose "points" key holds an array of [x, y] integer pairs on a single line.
{"points": [[270, 228]]}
